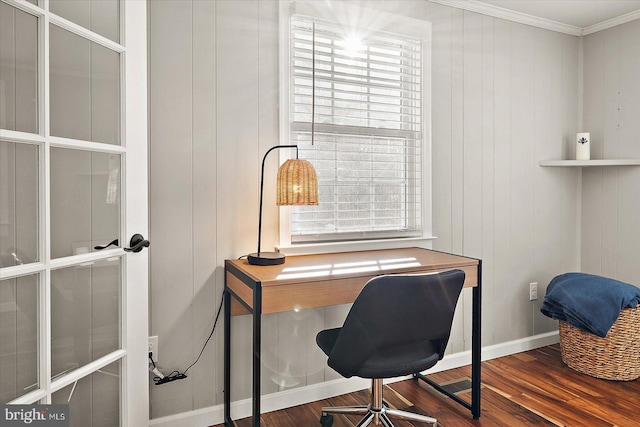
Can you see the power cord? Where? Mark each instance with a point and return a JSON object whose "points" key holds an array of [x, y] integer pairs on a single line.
{"points": [[159, 378]]}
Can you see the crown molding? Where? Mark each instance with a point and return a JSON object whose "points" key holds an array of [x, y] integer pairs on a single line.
{"points": [[511, 15], [547, 24], [619, 20]]}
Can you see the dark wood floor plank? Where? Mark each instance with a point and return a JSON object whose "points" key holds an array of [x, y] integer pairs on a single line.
{"points": [[569, 396], [496, 410], [533, 388]]}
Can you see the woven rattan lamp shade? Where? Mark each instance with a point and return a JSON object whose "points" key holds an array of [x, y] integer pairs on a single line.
{"points": [[297, 183]]}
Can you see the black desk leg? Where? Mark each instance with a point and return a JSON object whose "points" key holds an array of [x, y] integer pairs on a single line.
{"points": [[476, 359], [256, 313], [476, 346], [227, 359], [257, 332]]}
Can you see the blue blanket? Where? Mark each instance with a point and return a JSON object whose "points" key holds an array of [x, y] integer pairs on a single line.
{"points": [[591, 303]]}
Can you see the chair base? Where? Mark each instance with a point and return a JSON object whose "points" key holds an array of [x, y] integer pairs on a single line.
{"points": [[376, 412]]}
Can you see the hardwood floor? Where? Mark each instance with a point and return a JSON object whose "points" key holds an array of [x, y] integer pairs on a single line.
{"points": [[533, 388]]}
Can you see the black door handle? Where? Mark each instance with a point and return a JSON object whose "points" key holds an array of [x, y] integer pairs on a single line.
{"points": [[137, 243], [113, 242]]}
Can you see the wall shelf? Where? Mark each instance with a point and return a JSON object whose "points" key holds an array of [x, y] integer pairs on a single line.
{"points": [[587, 163]]}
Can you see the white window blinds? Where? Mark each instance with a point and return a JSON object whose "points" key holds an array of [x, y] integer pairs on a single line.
{"points": [[368, 131]]}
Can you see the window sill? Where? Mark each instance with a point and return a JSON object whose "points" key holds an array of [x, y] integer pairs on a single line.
{"points": [[355, 245]]}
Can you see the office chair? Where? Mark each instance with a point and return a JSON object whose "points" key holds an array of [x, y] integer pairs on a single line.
{"points": [[398, 325]]}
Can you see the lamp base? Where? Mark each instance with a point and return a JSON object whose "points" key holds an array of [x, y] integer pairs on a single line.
{"points": [[266, 258]]}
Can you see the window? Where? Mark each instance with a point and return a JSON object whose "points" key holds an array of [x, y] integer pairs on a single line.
{"points": [[369, 134]]}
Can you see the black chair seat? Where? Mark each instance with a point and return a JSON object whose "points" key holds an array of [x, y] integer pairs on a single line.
{"points": [[327, 339], [387, 362]]}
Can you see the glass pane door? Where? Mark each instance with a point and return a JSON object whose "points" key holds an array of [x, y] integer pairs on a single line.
{"points": [[85, 200], [19, 194], [19, 318], [68, 330], [18, 69]]}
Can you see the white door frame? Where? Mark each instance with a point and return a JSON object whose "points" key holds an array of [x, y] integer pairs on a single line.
{"points": [[136, 318], [136, 375]]}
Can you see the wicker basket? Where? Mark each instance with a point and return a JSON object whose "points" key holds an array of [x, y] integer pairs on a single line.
{"points": [[615, 357]]}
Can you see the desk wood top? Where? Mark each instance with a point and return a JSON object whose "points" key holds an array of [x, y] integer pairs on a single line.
{"points": [[308, 281], [343, 265]]}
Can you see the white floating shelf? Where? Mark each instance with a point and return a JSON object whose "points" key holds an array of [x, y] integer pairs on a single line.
{"points": [[587, 163]]}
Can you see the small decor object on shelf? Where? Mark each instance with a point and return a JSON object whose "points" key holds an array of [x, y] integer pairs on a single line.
{"points": [[583, 146]]}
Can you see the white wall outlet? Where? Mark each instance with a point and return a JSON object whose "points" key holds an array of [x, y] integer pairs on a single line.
{"points": [[153, 347], [533, 291]]}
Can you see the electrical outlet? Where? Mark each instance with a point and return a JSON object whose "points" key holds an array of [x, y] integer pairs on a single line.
{"points": [[153, 347], [533, 291]]}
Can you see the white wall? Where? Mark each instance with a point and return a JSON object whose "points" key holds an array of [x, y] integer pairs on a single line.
{"points": [[183, 191], [610, 203], [505, 96]]}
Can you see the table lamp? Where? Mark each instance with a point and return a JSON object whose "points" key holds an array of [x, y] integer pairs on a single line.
{"points": [[297, 184]]}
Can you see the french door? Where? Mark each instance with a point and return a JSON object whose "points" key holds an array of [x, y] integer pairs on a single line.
{"points": [[73, 179]]}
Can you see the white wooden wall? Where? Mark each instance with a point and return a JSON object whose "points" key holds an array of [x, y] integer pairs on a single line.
{"points": [[611, 196], [505, 96], [183, 191]]}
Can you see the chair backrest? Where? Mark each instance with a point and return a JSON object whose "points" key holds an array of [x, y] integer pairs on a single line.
{"points": [[397, 310]]}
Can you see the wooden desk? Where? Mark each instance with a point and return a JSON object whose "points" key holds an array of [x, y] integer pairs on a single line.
{"points": [[310, 281]]}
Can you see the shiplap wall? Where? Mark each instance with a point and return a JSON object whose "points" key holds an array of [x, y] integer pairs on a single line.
{"points": [[504, 96], [611, 196]]}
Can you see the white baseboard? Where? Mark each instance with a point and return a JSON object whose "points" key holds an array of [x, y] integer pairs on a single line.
{"points": [[299, 396]]}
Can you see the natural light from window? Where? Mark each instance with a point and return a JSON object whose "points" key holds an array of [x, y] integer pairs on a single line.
{"points": [[347, 268], [368, 133]]}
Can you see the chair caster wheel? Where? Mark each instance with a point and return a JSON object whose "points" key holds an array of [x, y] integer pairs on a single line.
{"points": [[326, 420]]}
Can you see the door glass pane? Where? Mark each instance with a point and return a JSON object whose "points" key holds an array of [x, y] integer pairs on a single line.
{"points": [[18, 204], [99, 16], [85, 89], [85, 313], [18, 70], [18, 337], [85, 200], [94, 401]]}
